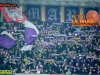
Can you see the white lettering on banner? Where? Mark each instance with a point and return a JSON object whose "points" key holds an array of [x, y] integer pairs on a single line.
{"points": [[13, 12], [70, 13], [52, 14], [33, 13]]}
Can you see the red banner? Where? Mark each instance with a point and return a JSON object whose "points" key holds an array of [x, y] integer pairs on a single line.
{"points": [[12, 14]]}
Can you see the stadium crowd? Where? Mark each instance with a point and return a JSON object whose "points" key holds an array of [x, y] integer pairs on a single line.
{"points": [[58, 49]]}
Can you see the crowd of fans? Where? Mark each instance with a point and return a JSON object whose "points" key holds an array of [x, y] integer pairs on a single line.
{"points": [[58, 49]]}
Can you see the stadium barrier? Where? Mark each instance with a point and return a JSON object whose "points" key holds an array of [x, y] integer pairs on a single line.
{"points": [[56, 74], [9, 72], [32, 74]]}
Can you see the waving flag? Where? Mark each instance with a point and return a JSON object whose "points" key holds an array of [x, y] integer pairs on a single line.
{"points": [[6, 40], [31, 33], [12, 14]]}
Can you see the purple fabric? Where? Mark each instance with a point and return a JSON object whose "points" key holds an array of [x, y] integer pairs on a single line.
{"points": [[28, 35], [69, 56], [17, 57], [54, 55], [52, 47], [39, 67], [59, 61], [10, 30], [70, 66], [31, 59], [90, 56], [6, 41], [33, 70], [61, 35]]}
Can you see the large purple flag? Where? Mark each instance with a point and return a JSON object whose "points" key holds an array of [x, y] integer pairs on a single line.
{"points": [[6, 40], [31, 33]]}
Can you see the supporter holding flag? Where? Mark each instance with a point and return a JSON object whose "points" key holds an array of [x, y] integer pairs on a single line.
{"points": [[39, 68]]}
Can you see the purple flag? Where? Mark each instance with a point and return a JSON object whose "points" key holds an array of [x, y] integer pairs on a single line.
{"points": [[6, 40], [31, 33]]}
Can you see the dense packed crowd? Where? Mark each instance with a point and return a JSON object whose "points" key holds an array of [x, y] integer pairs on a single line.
{"points": [[58, 49]]}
